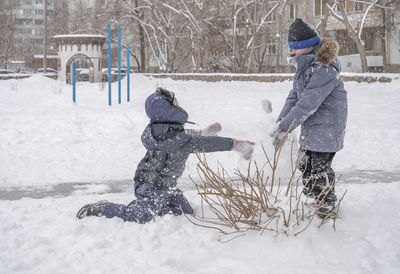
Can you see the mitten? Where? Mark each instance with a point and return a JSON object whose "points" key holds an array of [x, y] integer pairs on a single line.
{"points": [[243, 147], [212, 129], [277, 136]]}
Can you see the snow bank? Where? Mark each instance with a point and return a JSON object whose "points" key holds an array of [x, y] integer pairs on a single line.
{"points": [[46, 140]]}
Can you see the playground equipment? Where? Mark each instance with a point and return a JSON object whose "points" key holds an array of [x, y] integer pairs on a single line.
{"points": [[88, 47], [119, 64]]}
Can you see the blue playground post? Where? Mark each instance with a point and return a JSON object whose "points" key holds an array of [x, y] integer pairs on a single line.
{"points": [[73, 83], [119, 64], [128, 96], [109, 62], [109, 67]]}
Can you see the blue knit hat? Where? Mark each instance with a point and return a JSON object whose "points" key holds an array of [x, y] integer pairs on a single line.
{"points": [[302, 35]]}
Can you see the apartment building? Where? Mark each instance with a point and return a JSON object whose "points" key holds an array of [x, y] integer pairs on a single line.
{"points": [[28, 26]]}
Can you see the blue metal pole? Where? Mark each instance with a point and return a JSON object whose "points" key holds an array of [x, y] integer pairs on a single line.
{"points": [[119, 64], [109, 62], [128, 96], [73, 83]]}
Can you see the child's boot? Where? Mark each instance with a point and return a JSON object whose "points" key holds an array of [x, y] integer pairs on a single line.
{"points": [[95, 209], [326, 208]]}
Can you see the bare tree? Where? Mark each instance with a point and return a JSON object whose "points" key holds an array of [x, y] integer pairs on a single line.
{"points": [[338, 10], [390, 10], [324, 19], [7, 30], [278, 36], [199, 35], [240, 30], [165, 32], [142, 41]]}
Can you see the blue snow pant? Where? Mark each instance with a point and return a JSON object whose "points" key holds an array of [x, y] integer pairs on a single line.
{"points": [[150, 201]]}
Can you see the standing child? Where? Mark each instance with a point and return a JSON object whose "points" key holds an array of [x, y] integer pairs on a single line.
{"points": [[168, 147], [317, 102]]}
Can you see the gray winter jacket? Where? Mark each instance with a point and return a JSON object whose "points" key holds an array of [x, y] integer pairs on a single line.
{"points": [[168, 144], [318, 101]]}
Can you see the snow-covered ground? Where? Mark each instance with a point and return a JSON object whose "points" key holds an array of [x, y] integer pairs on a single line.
{"points": [[56, 156]]}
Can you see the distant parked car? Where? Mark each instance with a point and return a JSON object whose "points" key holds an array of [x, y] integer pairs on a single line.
{"points": [[114, 71], [82, 74], [49, 70], [26, 70], [6, 71]]}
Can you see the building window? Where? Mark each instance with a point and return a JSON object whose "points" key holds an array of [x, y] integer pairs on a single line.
{"points": [[319, 7], [349, 6], [359, 6], [352, 6], [38, 31], [38, 12], [27, 31], [293, 11], [24, 21]]}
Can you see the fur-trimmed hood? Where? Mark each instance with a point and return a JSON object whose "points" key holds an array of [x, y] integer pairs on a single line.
{"points": [[328, 52], [324, 53]]}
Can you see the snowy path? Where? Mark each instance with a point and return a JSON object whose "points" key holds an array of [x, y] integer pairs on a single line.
{"points": [[126, 186]]}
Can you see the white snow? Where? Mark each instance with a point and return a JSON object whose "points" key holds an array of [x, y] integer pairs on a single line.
{"points": [[48, 143], [79, 35]]}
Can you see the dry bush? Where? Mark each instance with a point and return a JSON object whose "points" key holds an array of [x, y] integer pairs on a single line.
{"points": [[255, 201]]}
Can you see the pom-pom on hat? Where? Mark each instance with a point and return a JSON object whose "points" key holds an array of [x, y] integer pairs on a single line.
{"points": [[302, 35]]}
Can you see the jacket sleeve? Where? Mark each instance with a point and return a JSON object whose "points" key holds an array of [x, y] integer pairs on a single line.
{"points": [[289, 103], [190, 143], [323, 81]]}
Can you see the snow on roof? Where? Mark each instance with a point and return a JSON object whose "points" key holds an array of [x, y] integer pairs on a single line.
{"points": [[79, 35], [48, 56]]}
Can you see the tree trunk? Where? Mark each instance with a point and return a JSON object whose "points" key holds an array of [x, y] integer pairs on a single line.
{"points": [[354, 36], [384, 44], [253, 42], [142, 43], [45, 38], [324, 20], [278, 37]]}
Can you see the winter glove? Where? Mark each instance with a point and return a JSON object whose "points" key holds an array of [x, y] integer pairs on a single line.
{"points": [[277, 136], [211, 130], [243, 147]]}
